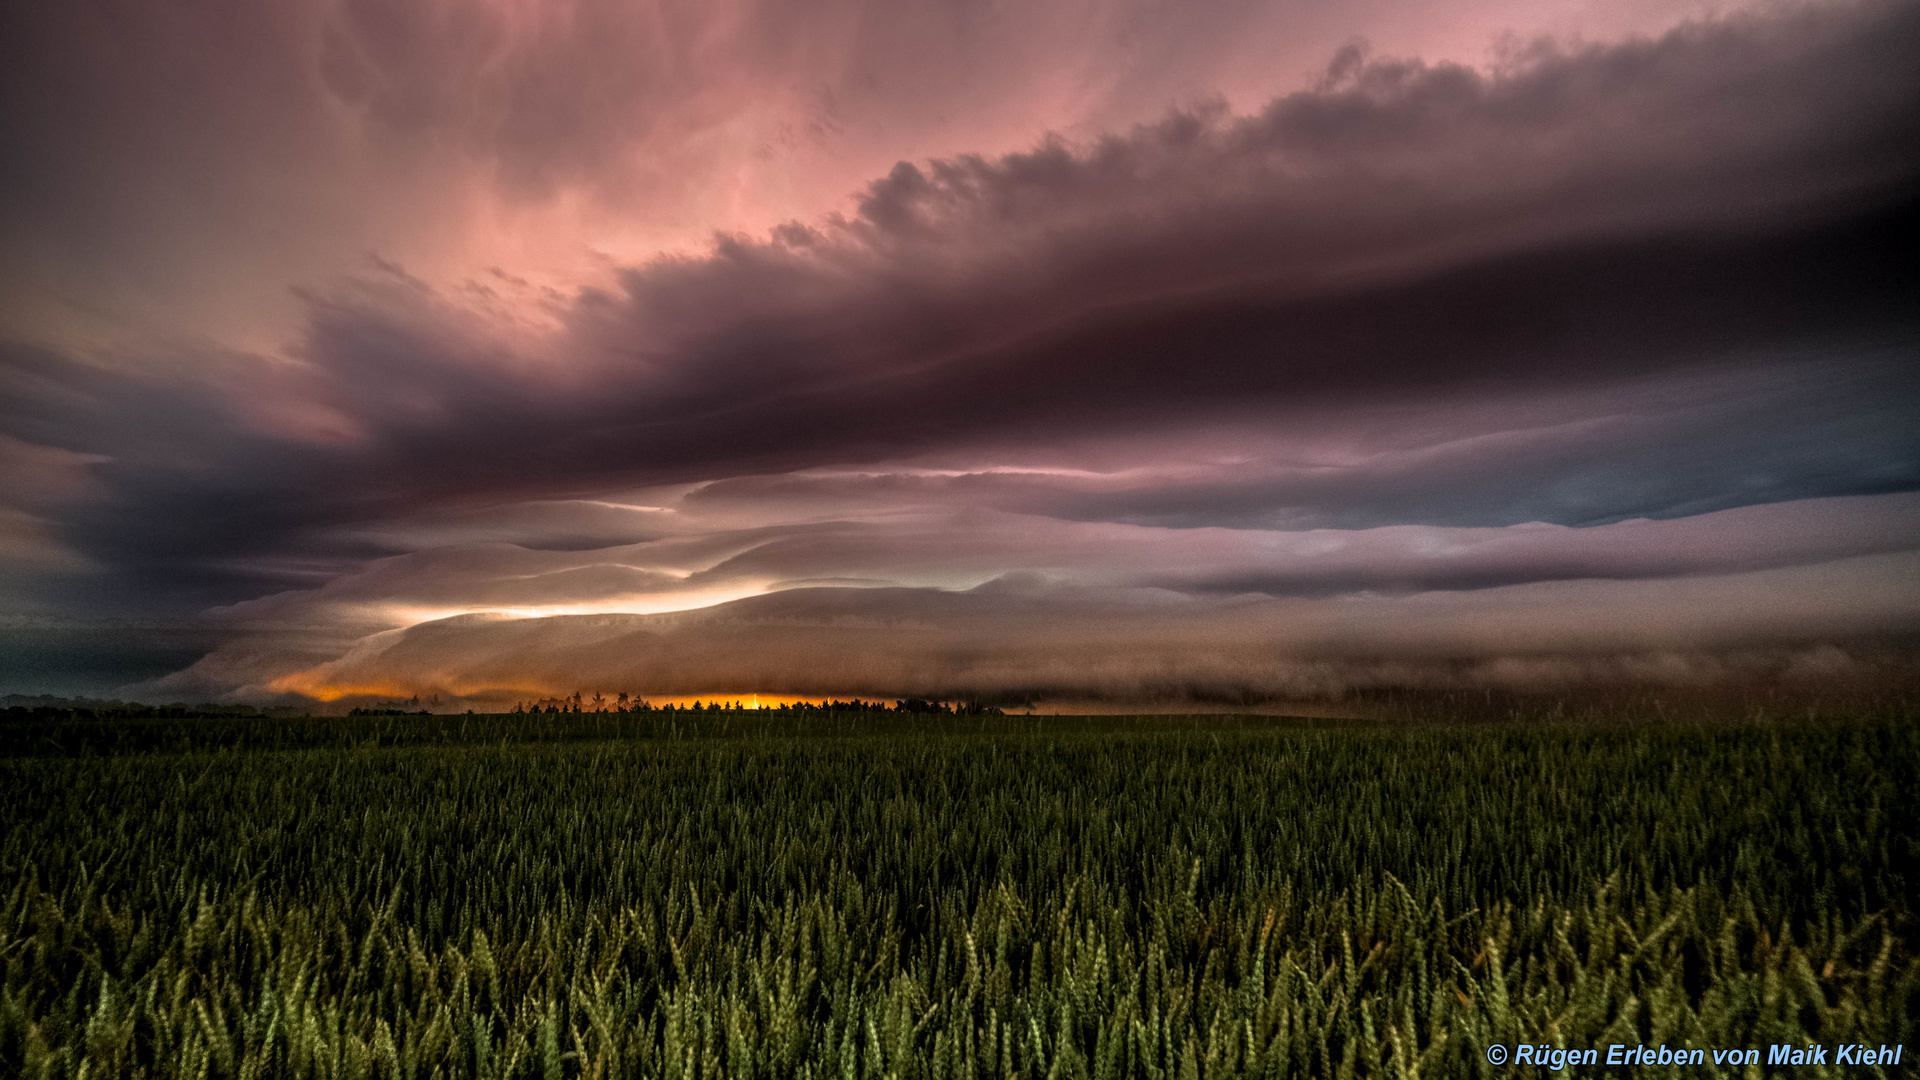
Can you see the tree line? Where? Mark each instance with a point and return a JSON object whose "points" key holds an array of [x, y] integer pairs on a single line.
{"points": [[577, 702]]}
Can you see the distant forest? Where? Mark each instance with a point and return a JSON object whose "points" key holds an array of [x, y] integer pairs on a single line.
{"points": [[24, 707], [633, 703], [21, 707]]}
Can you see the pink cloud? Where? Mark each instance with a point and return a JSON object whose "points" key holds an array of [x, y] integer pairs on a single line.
{"points": [[1442, 342]]}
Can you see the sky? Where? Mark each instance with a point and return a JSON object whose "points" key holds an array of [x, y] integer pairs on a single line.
{"points": [[1108, 350]]}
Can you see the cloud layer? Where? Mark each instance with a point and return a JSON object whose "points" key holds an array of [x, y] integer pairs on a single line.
{"points": [[1025, 640], [1602, 348]]}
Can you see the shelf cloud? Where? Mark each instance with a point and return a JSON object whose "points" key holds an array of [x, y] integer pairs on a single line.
{"points": [[1591, 360]]}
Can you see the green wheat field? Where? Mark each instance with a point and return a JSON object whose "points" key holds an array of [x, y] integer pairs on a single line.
{"points": [[857, 897]]}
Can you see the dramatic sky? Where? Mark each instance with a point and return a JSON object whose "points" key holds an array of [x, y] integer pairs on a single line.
{"points": [[1100, 349]]}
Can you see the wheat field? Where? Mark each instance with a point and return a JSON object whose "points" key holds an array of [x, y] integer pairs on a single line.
{"points": [[766, 895]]}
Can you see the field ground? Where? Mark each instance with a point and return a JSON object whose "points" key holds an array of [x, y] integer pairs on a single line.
{"points": [[770, 895]]}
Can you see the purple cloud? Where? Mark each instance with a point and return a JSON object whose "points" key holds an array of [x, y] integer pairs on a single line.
{"points": [[1421, 329]]}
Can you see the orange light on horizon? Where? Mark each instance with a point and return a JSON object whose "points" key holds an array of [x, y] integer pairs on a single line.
{"points": [[305, 684], [745, 701], [308, 684]]}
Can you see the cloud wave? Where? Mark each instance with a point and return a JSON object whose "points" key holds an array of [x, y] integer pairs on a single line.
{"points": [[1417, 333]]}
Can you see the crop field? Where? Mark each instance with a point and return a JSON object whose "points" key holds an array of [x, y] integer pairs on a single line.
{"points": [[856, 898]]}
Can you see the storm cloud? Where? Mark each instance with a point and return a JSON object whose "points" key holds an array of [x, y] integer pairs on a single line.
{"points": [[1530, 354]]}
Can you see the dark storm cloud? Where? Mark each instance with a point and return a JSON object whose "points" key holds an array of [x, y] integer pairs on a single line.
{"points": [[1798, 430], [1017, 640], [1403, 230], [1778, 573], [181, 164], [1654, 278], [1688, 442], [1327, 562]]}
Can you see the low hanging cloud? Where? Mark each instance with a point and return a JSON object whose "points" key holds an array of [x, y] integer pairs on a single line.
{"points": [[1020, 640], [1421, 334], [1100, 614], [962, 548]]}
